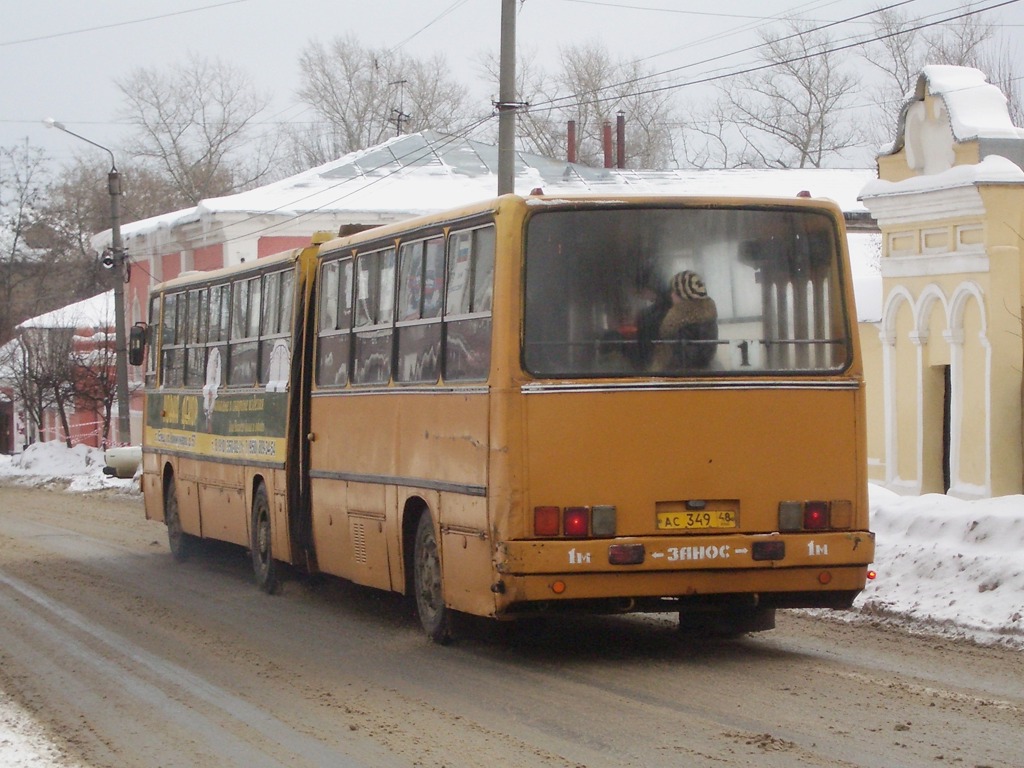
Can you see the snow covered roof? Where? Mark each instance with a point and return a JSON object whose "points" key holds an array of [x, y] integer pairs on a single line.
{"points": [[992, 170], [94, 312], [426, 172], [967, 108], [976, 109]]}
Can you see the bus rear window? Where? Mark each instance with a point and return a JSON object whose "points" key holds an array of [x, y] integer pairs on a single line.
{"points": [[683, 292]]}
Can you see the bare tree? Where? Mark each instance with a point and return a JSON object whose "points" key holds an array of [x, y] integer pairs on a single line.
{"points": [[22, 196], [361, 96], [43, 376], [196, 125], [711, 139], [906, 44], [14, 361], [1000, 64], [94, 376], [537, 129], [78, 203], [592, 88], [793, 112]]}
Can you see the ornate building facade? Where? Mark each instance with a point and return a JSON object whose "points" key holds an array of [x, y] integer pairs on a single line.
{"points": [[944, 364]]}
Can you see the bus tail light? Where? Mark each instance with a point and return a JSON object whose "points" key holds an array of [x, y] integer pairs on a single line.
{"points": [[576, 521], [625, 554], [768, 550], [791, 515], [546, 521], [840, 513], [602, 520], [815, 515]]}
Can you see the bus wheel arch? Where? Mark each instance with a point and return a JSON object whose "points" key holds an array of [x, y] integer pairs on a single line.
{"points": [[265, 568], [411, 513], [424, 572], [181, 544]]}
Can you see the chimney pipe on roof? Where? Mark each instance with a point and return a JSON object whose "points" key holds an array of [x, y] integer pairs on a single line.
{"points": [[571, 141], [620, 140], [607, 136]]}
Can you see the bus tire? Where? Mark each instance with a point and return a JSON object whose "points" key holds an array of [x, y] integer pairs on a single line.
{"points": [[435, 617], [180, 543], [264, 566]]}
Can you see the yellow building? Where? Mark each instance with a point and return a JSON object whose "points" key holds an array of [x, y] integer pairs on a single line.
{"points": [[945, 360]]}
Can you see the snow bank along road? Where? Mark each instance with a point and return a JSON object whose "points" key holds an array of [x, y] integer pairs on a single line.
{"points": [[129, 659]]}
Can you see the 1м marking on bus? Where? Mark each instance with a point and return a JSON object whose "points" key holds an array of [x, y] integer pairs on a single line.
{"points": [[578, 558], [679, 554]]}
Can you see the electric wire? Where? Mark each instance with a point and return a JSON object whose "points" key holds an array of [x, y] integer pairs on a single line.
{"points": [[465, 132], [565, 101], [116, 24]]}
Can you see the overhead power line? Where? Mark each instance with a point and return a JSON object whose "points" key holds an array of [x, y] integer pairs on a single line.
{"points": [[564, 101], [116, 24]]}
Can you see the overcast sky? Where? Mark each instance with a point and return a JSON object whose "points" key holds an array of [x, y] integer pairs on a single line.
{"points": [[59, 58]]}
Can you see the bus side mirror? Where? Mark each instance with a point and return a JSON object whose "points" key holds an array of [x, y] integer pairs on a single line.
{"points": [[137, 343]]}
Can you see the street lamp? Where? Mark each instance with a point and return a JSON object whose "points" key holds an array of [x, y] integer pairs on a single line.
{"points": [[115, 260]]}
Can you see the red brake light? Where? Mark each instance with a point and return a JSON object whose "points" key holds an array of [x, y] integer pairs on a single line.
{"points": [[576, 521], [815, 515], [768, 550], [545, 521], [626, 554]]}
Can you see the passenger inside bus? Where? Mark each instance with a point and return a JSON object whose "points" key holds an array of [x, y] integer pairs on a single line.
{"points": [[688, 331]]}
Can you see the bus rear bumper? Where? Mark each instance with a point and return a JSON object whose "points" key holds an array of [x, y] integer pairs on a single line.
{"points": [[826, 569], [623, 592]]}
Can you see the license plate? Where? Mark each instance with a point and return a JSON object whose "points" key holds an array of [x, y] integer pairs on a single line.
{"points": [[691, 521]]}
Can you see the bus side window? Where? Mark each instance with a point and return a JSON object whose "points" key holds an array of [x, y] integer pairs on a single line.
{"points": [[468, 308], [195, 355], [421, 290], [374, 316], [275, 327], [243, 350], [335, 323], [172, 364], [153, 340], [219, 331]]}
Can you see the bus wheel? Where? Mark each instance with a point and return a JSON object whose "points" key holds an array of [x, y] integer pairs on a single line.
{"points": [[434, 616], [180, 542], [263, 564]]}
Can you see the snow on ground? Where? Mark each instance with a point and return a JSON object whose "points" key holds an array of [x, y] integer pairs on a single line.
{"points": [[945, 566], [23, 743]]}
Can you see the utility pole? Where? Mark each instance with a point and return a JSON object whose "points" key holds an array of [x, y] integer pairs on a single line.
{"points": [[114, 259], [399, 114], [507, 100]]}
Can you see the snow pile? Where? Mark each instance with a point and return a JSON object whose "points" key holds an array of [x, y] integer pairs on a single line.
{"points": [[23, 743], [951, 566], [81, 468]]}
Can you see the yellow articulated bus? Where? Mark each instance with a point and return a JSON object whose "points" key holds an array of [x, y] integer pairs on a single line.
{"points": [[530, 406]]}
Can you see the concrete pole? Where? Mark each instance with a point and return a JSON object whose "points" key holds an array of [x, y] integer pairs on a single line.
{"points": [[117, 265], [507, 100], [124, 424]]}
